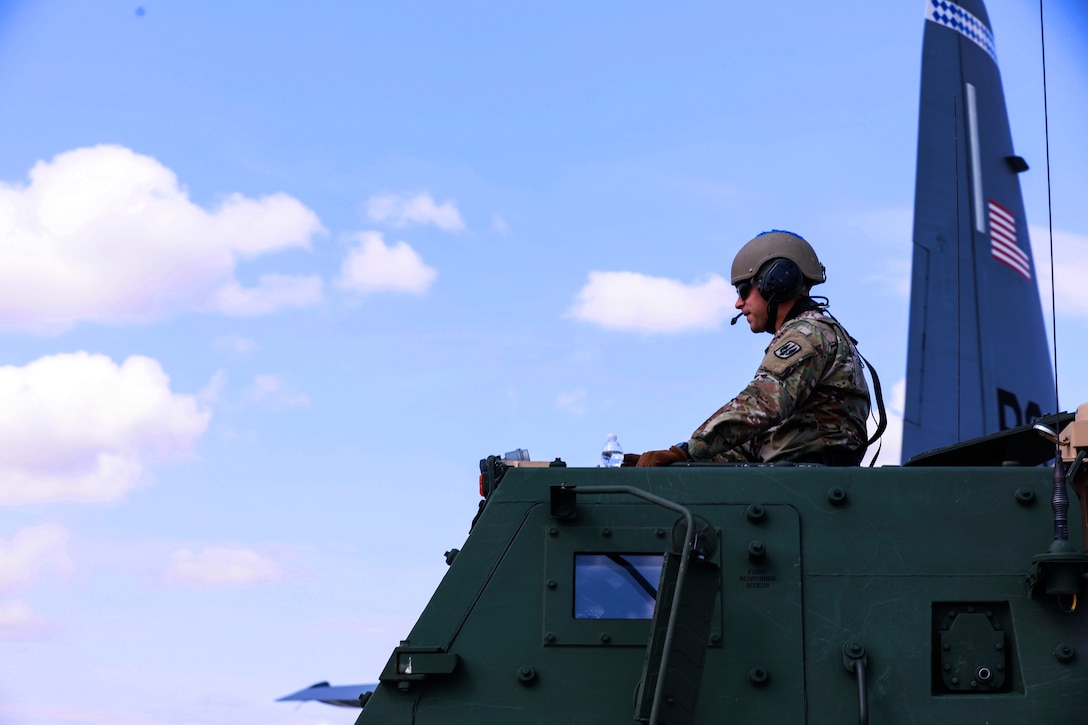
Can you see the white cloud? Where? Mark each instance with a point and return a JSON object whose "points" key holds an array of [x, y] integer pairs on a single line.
{"points": [[18, 622], [210, 393], [371, 266], [78, 427], [636, 302], [401, 211], [273, 292], [30, 553], [220, 566], [274, 390], [1070, 269], [106, 234]]}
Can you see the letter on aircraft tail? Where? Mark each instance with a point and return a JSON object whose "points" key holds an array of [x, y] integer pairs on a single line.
{"points": [[977, 360]]}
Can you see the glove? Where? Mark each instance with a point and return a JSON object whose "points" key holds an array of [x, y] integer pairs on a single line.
{"points": [[663, 458], [630, 460]]}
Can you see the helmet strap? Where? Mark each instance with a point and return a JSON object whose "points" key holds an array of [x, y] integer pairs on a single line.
{"points": [[772, 317]]}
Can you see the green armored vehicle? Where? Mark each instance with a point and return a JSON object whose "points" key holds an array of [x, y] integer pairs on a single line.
{"points": [[758, 594]]}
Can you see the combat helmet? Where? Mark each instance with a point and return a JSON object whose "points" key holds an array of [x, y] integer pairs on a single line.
{"points": [[780, 265]]}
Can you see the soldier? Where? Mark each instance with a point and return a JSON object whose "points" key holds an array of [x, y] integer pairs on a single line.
{"points": [[808, 402]]}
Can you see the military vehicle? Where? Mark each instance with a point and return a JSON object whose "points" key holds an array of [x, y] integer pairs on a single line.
{"points": [[948, 589]]}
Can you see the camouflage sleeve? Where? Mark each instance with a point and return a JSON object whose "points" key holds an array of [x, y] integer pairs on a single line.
{"points": [[740, 454], [794, 363]]}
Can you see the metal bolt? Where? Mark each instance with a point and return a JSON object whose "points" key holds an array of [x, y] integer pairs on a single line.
{"points": [[758, 676], [552, 584], [550, 636], [552, 531], [757, 551], [606, 531], [1064, 653], [605, 638], [755, 513]]}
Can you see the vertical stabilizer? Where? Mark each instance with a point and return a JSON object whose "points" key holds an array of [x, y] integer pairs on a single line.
{"points": [[977, 358]]}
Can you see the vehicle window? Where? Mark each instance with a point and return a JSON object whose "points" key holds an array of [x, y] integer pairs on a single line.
{"points": [[616, 586]]}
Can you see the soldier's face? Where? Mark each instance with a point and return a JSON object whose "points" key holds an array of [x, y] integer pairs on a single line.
{"points": [[752, 305]]}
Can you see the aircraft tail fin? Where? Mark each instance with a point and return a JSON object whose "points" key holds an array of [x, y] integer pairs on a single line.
{"points": [[978, 360]]}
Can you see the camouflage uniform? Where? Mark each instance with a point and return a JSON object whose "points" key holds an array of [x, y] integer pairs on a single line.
{"points": [[808, 395]]}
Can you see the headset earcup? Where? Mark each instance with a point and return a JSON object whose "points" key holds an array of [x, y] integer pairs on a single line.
{"points": [[780, 280]]}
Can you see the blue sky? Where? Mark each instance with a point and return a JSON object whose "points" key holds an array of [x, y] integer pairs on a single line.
{"points": [[275, 276]]}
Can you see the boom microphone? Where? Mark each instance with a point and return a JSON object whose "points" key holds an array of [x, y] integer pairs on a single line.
{"points": [[734, 320]]}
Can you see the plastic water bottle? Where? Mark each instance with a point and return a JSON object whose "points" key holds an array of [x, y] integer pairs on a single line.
{"points": [[612, 454]]}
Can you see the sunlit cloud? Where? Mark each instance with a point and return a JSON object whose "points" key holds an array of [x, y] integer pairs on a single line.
{"points": [[372, 266], [273, 292], [401, 211], [1070, 270], [639, 303], [274, 390], [220, 566], [109, 235], [79, 427], [18, 622], [211, 392], [32, 552]]}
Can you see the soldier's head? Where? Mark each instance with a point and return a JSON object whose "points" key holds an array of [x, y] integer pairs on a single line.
{"points": [[770, 273]]}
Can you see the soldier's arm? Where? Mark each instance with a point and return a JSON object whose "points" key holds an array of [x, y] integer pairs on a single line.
{"points": [[788, 374]]}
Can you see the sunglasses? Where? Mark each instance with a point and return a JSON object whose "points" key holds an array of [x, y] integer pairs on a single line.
{"points": [[744, 289]]}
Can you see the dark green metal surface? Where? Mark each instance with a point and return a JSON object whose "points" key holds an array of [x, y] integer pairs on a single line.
{"points": [[920, 573]]}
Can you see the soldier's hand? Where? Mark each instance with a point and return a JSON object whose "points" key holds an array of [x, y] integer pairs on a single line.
{"points": [[630, 460], [663, 458]]}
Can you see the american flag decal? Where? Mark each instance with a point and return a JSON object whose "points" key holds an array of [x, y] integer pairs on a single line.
{"points": [[1003, 241]]}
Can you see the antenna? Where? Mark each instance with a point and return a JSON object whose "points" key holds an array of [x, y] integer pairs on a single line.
{"points": [[1050, 222]]}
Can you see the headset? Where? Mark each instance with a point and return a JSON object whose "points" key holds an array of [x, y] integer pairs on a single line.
{"points": [[779, 280]]}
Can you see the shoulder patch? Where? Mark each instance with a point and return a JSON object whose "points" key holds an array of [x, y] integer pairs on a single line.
{"points": [[793, 347], [787, 350]]}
